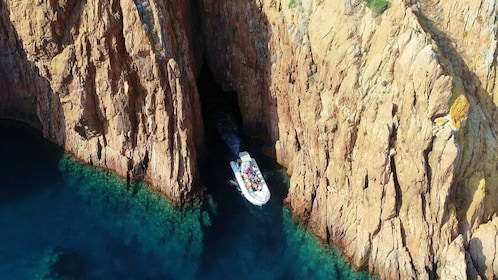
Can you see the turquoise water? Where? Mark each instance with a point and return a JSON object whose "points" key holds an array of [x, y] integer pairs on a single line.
{"points": [[63, 220]]}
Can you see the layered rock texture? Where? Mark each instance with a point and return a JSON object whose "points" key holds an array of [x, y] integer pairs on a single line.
{"points": [[386, 122], [110, 81]]}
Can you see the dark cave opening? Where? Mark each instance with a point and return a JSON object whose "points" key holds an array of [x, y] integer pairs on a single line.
{"points": [[220, 110], [222, 135]]}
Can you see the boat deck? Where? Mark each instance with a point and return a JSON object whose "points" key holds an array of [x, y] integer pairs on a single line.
{"points": [[250, 179]]}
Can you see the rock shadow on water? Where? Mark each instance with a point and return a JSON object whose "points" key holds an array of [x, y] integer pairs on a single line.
{"points": [[251, 242], [235, 223], [98, 228], [145, 235], [73, 221], [26, 158]]}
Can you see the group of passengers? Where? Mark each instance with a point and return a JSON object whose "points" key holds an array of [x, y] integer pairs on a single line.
{"points": [[252, 181]]}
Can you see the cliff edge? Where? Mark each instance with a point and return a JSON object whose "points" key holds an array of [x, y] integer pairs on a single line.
{"points": [[110, 82], [386, 123]]}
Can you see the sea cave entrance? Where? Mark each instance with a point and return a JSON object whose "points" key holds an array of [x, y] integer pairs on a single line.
{"points": [[225, 138], [220, 112]]}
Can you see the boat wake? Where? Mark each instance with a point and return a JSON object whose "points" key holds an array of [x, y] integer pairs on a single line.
{"points": [[235, 184], [228, 130]]}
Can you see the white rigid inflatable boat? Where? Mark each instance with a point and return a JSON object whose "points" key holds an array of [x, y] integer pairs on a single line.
{"points": [[250, 179]]}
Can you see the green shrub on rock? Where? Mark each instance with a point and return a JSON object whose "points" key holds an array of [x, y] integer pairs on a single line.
{"points": [[377, 6]]}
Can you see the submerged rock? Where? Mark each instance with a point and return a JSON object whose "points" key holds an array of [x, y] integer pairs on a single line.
{"points": [[66, 263]]}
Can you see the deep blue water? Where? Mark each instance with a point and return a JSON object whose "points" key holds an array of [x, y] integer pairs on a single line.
{"points": [[60, 219]]}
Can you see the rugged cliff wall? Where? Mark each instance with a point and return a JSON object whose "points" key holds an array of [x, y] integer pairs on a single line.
{"points": [[386, 123], [110, 81]]}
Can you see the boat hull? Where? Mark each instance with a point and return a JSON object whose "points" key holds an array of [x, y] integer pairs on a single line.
{"points": [[257, 197]]}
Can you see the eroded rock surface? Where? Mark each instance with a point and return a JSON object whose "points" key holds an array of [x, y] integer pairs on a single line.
{"points": [[110, 81], [386, 123]]}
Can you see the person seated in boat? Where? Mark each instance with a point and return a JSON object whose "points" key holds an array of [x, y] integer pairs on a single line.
{"points": [[258, 183]]}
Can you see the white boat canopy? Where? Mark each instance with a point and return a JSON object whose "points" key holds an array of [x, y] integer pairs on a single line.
{"points": [[245, 157]]}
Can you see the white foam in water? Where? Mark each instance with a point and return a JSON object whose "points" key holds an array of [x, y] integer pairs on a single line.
{"points": [[234, 183]]}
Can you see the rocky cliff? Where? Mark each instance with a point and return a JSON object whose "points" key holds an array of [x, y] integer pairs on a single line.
{"points": [[110, 81], [386, 122]]}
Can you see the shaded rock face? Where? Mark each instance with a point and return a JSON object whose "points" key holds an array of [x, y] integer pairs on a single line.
{"points": [[110, 81], [386, 123]]}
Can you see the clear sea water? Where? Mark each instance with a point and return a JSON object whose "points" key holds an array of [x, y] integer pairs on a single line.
{"points": [[60, 219]]}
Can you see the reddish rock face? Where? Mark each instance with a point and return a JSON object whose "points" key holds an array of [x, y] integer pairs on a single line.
{"points": [[110, 81], [386, 123], [383, 121]]}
